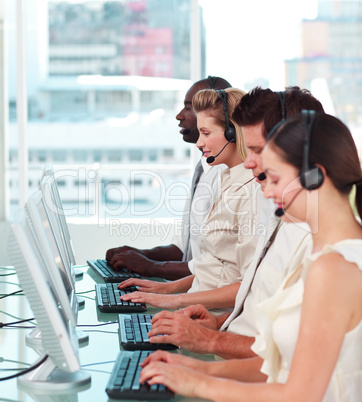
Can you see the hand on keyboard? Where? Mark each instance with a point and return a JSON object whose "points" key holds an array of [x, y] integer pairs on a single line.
{"points": [[147, 286], [180, 330], [176, 375], [120, 250], [132, 261], [156, 300]]}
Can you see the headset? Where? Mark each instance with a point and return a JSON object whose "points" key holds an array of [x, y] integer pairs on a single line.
{"points": [[311, 176], [282, 95], [212, 81], [230, 132]]}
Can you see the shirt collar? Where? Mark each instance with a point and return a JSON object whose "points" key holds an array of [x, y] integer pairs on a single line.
{"points": [[240, 174]]}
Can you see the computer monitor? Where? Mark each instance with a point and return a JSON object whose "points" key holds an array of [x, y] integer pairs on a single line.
{"points": [[61, 371], [49, 189], [55, 261]]}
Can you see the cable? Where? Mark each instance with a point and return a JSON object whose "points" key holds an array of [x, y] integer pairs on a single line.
{"points": [[28, 370], [10, 283], [88, 297], [98, 325], [10, 315], [11, 294], [98, 363], [86, 291], [15, 322], [13, 273]]}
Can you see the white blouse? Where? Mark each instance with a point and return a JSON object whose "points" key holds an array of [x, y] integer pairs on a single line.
{"points": [[278, 320]]}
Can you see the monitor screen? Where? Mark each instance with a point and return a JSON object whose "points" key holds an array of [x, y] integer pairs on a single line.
{"points": [[49, 188], [53, 256], [62, 368]]}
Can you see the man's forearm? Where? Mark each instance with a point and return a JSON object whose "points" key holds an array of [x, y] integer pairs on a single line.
{"points": [[171, 270], [231, 346], [163, 253]]}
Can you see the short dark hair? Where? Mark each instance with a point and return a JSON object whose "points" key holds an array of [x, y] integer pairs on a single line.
{"points": [[263, 105]]}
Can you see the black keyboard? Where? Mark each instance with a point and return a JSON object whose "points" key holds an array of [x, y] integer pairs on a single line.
{"points": [[109, 274], [108, 299], [124, 380], [132, 333]]}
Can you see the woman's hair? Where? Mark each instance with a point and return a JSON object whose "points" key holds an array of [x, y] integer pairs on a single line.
{"points": [[331, 146], [208, 100]]}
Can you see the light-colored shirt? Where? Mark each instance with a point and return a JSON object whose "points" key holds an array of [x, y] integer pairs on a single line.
{"points": [[232, 223], [279, 317], [292, 243], [197, 209]]}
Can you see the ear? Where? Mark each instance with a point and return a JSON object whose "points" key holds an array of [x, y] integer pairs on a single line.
{"points": [[322, 168]]}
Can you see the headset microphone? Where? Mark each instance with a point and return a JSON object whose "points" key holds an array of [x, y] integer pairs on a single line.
{"points": [[211, 159], [262, 176], [187, 131], [279, 212]]}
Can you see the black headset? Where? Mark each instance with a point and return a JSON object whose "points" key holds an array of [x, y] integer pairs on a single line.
{"points": [[282, 95], [311, 176], [212, 81], [230, 132]]}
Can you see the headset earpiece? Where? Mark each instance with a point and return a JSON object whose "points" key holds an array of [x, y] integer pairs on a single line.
{"points": [[311, 176], [230, 132]]}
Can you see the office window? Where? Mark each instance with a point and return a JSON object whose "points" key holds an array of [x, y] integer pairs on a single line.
{"points": [[152, 155], [105, 79], [114, 155], [59, 155], [80, 155], [135, 155], [97, 155], [42, 156], [168, 153]]}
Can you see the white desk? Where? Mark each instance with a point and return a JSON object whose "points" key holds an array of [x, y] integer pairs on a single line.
{"points": [[97, 357]]}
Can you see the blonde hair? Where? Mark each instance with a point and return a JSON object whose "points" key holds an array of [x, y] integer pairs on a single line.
{"points": [[209, 100]]}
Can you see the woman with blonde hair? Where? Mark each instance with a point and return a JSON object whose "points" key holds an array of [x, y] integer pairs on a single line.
{"points": [[229, 234]]}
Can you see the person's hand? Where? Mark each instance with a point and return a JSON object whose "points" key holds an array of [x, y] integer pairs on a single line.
{"points": [[180, 379], [201, 315], [146, 286], [175, 358], [132, 261], [120, 250], [156, 300], [180, 330]]}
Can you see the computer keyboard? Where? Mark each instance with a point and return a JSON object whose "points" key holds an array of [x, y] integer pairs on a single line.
{"points": [[109, 274], [108, 299], [124, 381], [132, 333]]}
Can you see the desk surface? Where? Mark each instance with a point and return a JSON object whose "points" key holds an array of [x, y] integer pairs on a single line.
{"points": [[97, 358]]}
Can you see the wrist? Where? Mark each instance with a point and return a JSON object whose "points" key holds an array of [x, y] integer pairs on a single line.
{"points": [[221, 319], [213, 342], [204, 387]]}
